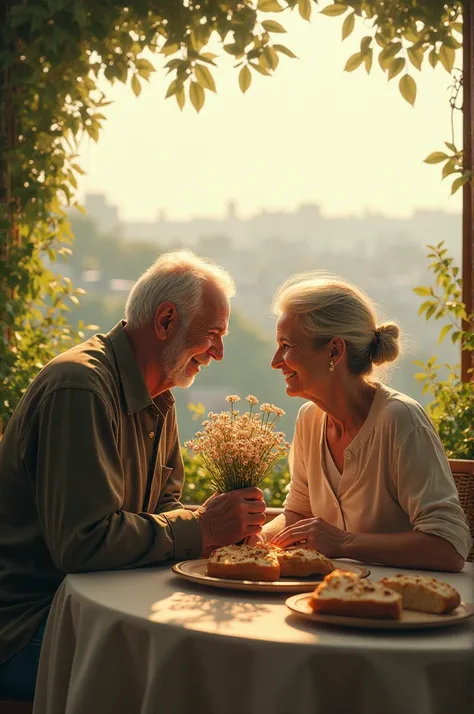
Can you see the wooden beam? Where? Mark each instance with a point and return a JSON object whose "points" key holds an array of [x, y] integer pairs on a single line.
{"points": [[467, 358]]}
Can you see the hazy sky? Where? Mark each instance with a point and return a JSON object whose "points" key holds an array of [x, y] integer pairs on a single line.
{"points": [[311, 134]]}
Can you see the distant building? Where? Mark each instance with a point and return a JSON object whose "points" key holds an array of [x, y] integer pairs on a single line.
{"points": [[104, 214]]}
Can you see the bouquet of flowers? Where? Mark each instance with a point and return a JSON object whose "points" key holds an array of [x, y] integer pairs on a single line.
{"points": [[240, 450]]}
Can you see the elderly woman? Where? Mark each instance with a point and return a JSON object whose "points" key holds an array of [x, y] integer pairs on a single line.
{"points": [[369, 477]]}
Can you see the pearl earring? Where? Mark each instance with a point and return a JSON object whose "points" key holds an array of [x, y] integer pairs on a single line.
{"points": [[331, 365]]}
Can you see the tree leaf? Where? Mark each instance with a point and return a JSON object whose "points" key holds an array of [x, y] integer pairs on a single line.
{"points": [[388, 52], [144, 64], [444, 332], [136, 86], [446, 57], [407, 86], [169, 48], [93, 131], [272, 26], [368, 60], [436, 157], [196, 95], [348, 25], [304, 8], [457, 183], [269, 6], [450, 41], [353, 62], [423, 291], [451, 147], [271, 57], [449, 168], [424, 306], [245, 78], [395, 67], [415, 56], [334, 10], [285, 51], [172, 89], [180, 97], [204, 77], [234, 49], [433, 58]]}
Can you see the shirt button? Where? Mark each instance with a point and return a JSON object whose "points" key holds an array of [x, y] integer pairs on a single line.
{"points": [[336, 504], [151, 434], [348, 455], [188, 553]]}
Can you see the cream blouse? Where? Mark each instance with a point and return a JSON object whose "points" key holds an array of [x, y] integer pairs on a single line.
{"points": [[396, 476]]}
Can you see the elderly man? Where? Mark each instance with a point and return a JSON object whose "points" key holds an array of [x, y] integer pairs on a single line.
{"points": [[90, 465]]}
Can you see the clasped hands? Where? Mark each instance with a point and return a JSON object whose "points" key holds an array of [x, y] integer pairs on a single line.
{"points": [[314, 533], [228, 518]]}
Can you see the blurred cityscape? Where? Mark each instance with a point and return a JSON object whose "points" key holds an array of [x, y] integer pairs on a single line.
{"points": [[384, 256]]}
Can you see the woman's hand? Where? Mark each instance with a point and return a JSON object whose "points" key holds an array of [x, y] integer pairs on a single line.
{"points": [[314, 533]]}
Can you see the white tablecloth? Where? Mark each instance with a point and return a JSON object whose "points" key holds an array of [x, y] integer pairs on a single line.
{"points": [[149, 642]]}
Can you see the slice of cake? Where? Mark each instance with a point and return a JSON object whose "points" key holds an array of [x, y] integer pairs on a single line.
{"points": [[301, 562], [243, 562], [420, 592], [344, 593]]}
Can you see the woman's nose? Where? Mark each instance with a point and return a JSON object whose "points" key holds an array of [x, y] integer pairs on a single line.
{"points": [[277, 361]]}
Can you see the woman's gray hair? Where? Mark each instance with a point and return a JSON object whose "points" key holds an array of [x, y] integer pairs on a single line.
{"points": [[178, 277], [329, 307]]}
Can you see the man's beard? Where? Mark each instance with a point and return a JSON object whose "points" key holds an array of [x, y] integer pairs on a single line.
{"points": [[175, 365]]}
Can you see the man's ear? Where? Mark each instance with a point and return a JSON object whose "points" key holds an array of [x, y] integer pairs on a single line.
{"points": [[337, 349], [165, 320]]}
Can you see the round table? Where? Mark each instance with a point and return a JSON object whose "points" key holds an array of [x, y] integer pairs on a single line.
{"points": [[148, 642]]}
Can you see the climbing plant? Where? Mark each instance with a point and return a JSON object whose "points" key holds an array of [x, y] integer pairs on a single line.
{"points": [[52, 55]]}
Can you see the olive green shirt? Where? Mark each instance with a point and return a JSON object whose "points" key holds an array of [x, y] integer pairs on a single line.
{"points": [[91, 475]]}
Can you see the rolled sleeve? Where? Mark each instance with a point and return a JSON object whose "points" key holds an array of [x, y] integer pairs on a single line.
{"points": [[79, 493], [185, 532], [426, 489]]}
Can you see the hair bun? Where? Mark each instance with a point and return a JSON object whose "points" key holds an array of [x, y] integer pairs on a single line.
{"points": [[386, 344]]}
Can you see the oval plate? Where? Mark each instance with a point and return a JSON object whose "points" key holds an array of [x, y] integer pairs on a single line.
{"points": [[195, 570], [410, 619]]}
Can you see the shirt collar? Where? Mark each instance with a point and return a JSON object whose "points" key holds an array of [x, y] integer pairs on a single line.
{"points": [[136, 393]]}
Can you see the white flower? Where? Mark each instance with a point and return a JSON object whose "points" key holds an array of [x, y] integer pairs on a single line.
{"points": [[239, 450], [231, 398]]}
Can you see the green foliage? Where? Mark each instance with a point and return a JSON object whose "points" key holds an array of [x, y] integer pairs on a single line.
{"points": [[452, 408], [52, 53], [402, 33], [197, 482], [444, 298]]}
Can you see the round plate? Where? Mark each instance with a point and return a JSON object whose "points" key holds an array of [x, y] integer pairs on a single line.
{"points": [[195, 570], [410, 619]]}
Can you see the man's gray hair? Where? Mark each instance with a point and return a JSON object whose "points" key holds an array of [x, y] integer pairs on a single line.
{"points": [[178, 277]]}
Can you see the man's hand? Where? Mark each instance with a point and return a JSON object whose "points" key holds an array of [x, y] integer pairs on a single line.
{"points": [[314, 533], [228, 518]]}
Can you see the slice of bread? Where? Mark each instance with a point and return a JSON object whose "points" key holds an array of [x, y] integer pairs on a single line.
{"points": [[301, 562], [420, 592], [344, 593], [243, 562]]}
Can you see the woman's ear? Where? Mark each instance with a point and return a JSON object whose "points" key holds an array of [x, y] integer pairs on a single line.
{"points": [[337, 348], [165, 320]]}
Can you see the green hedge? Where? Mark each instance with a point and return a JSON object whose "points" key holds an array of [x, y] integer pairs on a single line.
{"points": [[196, 486]]}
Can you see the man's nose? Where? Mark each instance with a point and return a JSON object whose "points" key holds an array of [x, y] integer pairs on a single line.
{"points": [[217, 349]]}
